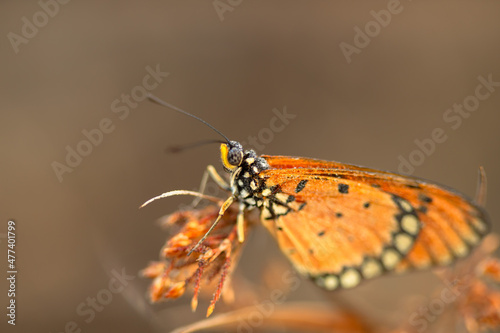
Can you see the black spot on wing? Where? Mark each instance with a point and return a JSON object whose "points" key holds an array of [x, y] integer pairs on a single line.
{"points": [[424, 198], [343, 188], [301, 185]]}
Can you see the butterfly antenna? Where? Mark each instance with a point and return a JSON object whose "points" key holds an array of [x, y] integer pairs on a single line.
{"points": [[182, 192], [179, 148], [157, 100]]}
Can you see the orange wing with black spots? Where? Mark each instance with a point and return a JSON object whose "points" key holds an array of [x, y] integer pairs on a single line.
{"points": [[340, 223]]}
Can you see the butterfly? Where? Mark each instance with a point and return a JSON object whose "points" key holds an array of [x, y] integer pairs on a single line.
{"points": [[341, 224]]}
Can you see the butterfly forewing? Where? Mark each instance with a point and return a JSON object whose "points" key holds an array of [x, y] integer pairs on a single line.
{"points": [[341, 224]]}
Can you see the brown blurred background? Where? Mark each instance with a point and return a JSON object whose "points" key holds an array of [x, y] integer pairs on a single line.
{"points": [[233, 73]]}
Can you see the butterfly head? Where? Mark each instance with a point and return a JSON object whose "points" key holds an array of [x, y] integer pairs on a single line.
{"points": [[231, 154]]}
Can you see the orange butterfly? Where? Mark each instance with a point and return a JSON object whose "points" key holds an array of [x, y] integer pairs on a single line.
{"points": [[341, 224]]}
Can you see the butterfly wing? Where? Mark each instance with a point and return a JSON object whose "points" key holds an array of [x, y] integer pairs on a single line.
{"points": [[341, 223]]}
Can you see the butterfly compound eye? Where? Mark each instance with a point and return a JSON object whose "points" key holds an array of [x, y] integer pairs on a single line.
{"points": [[231, 154], [235, 156]]}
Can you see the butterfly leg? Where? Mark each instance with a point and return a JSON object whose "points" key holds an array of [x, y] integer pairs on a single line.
{"points": [[240, 223], [212, 173], [222, 210]]}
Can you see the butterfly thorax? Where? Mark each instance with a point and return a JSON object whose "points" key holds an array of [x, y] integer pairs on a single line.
{"points": [[246, 182]]}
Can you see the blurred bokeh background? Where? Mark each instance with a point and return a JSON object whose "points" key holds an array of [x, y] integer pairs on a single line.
{"points": [[230, 63]]}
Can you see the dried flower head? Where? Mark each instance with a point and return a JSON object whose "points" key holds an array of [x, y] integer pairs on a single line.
{"points": [[216, 256]]}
